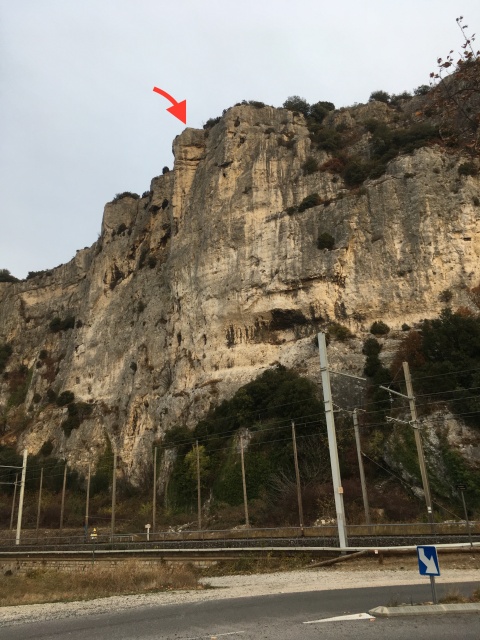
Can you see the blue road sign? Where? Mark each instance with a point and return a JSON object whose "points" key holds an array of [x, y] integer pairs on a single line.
{"points": [[428, 561]]}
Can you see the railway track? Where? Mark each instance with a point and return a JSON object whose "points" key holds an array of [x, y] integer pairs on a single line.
{"points": [[237, 547]]}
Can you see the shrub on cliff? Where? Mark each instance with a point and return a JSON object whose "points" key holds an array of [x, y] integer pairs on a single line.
{"points": [[379, 328], [325, 241], [125, 194], [6, 276], [309, 201], [57, 324], [310, 166], [379, 96], [296, 103], [5, 353]]}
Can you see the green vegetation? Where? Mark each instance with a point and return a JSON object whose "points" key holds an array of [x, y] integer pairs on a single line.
{"points": [[444, 354], [6, 276], [77, 413], [18, 383], [5, 353], [265, 407], [325, 241], [310, 165], [468, 169], [57, 324], [379, 328], [125, 194], [310, 201], [380, 96], [339, 332], [66, 397]]}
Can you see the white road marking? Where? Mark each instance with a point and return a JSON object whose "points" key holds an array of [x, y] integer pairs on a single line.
{"points": [[216, 635], [352, 616]]}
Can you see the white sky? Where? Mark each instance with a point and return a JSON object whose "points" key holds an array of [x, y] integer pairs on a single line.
{"points": [[80, 121]]}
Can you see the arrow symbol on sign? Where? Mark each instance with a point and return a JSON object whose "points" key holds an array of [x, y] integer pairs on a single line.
{"points": [[178, 109], [428, 562]]}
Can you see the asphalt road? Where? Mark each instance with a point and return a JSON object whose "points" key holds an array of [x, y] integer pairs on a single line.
{"points": [[276, 617]]}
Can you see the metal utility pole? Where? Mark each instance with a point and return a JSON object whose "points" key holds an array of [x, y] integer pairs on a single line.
{"points": [[22, 493], [360, 466], [461, 488], [39, 500], [245, 500], [114, 491], [332, 442], [87, 501], [14, 501], [62, 509], [418, 441], [154, 499], [199, 490], [297, 476]]}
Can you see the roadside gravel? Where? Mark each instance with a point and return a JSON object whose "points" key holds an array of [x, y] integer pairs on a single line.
{"points": [[237, 586]]}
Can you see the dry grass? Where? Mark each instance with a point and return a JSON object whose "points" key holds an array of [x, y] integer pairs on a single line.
{"points": [[453, 596], [129, 577], [249, 566]]}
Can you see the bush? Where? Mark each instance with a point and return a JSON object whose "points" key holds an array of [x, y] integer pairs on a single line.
{"points": [[380, 96], [333, 165], [125, 194], [445, 296], [296, 103], [406, 327], [319, 110], [339, 332], [309, 201], [328, 139], [51, 395], [422, 90], [355, 172], [77, 413], [211, 122], [5, 353], [325, 241], [46, 448], [57, 324], [66, 397], [379, 328], [165, 170], [371, 347], [310, 166], [6, 276], [467, 169]]}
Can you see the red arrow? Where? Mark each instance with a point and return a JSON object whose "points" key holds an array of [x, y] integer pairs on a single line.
{"points": [[178, 109]]}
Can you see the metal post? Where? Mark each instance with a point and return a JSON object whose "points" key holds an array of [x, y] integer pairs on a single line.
{"points": [[434, 590], [154, 498], [199, 490], [245, 500], [14, 501], [62, 509], [114, 491], [332, 442], [39, 500], [22, 493], [360, 466], [297, 477], [87, 500], [418, 442], [461, 489]]}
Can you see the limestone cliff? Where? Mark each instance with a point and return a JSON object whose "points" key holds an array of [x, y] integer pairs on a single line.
{"points": [[215, 274]]}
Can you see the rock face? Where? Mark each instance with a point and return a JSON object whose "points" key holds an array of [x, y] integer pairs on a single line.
{"points": [[194, 289]]}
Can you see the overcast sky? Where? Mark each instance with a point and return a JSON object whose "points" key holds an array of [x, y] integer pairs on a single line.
{"points": [[80, 121]]}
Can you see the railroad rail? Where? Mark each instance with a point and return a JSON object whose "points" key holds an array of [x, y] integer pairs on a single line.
{"points": [[307, 539]]}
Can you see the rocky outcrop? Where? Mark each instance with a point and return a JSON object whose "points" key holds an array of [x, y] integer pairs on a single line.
{"points": [[214, 275]]}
